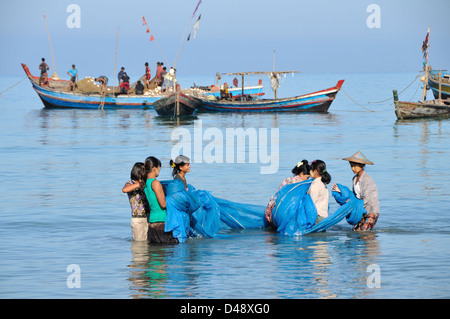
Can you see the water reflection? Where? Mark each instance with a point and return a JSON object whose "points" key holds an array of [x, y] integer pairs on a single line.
{"points": [[148, 272], [325, 265]]}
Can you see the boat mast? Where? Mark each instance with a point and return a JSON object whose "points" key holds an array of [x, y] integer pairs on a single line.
{"points": [[115, 61], [425, 82], [54, 75]]}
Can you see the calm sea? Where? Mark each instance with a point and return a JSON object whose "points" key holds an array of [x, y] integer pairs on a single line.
{"points": [[65, 224]]}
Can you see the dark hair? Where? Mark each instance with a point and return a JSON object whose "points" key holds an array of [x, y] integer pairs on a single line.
{"points": [[321, 168], [301, 167], [151, 162], [138, 173], [176, 166]]}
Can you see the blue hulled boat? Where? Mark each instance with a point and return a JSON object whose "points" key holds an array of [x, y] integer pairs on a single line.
{"points": [[58, 95]]}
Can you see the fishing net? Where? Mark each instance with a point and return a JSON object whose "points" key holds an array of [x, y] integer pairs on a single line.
{"points": [[88, 85], [295, 214], [197, 213]]}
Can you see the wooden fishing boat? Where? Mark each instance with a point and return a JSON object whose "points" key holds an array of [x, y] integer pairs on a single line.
{"points": [[439, 84], [410, 110], [423, 108], [58, 95], [176, 104], [319, 101]]}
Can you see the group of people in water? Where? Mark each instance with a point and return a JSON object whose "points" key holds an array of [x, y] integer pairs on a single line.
{"points": [[148, 200]]}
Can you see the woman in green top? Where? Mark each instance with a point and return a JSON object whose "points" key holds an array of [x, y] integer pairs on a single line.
{"points": [[157, 201]]}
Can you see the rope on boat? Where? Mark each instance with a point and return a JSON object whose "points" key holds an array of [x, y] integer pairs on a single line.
{"points": [[355, 101], [391, 98], [386, 99], [13, 85], [102, 104]]}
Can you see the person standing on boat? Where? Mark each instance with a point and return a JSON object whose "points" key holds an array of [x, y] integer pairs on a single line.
{"points": [[364, 188], [138, 202], [43, 67], [163, 79], [73, 73], [181, 166], [121, 73], [157, 201], [318, 189], [147, 75], [158, 73], [301, 173]]}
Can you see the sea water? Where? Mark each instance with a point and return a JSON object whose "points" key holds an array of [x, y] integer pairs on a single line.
{"points": [[65, 224]]}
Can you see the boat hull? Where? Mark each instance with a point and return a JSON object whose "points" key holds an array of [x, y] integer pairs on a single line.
{"points": [[314, 102], [176, 104], [433, 82], [58, 96], [411, 110]]}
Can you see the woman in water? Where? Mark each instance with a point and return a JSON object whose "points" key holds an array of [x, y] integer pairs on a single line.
{"points": [[157, 202], [138, 202], [301, 173], [364, 188], [181, 167], [318, 189]]}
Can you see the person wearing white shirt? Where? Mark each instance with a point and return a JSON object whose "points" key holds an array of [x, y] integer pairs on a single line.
{"points": [[318, 189]]}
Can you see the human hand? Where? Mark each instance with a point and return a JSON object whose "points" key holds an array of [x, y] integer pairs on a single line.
{"points": [[336, 188]]}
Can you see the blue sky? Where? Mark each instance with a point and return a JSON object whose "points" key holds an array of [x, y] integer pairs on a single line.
{"points": [[322, 36]]}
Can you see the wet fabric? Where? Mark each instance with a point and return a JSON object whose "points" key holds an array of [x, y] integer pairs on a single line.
{"points": [[295, 214], [196, 213], [158, 235]]}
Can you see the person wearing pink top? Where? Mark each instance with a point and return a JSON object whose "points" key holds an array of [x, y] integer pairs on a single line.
{"points": [[301, 173]]}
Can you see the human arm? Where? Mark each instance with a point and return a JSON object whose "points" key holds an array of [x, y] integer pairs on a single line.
{"points": [[369, 194], [129, 187], [159, 192]]}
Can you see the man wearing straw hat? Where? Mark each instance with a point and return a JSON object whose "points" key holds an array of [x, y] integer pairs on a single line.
{"points": [[364, 188]]}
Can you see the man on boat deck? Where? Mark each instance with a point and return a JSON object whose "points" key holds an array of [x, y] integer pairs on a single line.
{"points": [[147, 75], [73, 73], [121, 73], [43, 67], [103, 80]]}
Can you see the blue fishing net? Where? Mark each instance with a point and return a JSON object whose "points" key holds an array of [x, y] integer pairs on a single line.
{"points": [[197, 213], [295, 214]]}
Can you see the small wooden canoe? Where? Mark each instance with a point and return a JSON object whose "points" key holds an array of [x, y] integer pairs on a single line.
{"points": [[410, 110], [176, 104]]}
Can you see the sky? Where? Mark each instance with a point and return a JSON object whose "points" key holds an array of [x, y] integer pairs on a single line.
{"points": [[321, 36]]}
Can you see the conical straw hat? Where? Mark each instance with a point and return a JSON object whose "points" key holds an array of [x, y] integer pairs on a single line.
{"points": [[358, 157]]}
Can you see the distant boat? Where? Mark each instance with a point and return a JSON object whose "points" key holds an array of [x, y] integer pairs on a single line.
{"points": [[439, 82], [176, 104], [319, 101], [440, 86], [423, 108], [57, 95]]}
